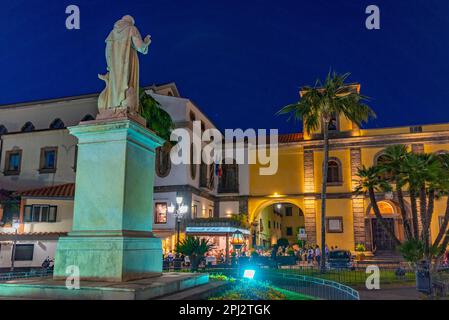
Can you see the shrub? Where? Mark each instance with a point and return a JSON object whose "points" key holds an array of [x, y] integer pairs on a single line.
{"points": [[412, 250], [195, 248], [221, 277], [360, 247], [250, 290]]}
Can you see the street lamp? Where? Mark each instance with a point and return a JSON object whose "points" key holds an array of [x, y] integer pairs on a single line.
{"points": [[15, 225], [237, 240], [178, 211]]}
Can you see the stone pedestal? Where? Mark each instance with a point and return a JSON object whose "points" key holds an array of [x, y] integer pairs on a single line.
{"points": [[112, 238]]}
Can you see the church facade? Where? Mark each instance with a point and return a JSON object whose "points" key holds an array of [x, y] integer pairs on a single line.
{"points": [[350, 221]]}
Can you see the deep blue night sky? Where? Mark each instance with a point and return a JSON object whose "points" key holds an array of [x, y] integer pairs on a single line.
{"points": [[239, 61]]}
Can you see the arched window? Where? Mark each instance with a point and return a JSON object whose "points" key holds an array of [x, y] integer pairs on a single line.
{"points": [[163, 163], [87, 117], [203, 175], [229, 180], [3, 130], [211, 176], [192, 164], [334, 175], [57, 124], [28, 127], [382, 159], [333, 123]]}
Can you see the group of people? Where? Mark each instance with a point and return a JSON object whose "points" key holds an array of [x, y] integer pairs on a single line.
{"points": [[312, 254], [170, 257]]}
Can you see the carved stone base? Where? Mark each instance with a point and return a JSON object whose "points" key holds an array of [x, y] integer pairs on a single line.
{"points": [[120, 113]]}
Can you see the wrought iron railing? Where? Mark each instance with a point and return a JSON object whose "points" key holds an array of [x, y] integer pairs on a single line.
{"points": [[215, 222], [314, 287], [38, 273]]}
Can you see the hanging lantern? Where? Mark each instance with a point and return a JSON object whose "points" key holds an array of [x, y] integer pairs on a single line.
{"points": [[237, 240]]}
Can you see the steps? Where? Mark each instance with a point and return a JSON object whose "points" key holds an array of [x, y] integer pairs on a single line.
{"points": [[383, 258]]}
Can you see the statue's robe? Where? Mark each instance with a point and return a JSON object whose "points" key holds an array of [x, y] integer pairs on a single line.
{"points": [[122, 79]]}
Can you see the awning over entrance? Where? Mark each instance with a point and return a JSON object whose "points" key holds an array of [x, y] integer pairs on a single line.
{"points": [[215, 230]]}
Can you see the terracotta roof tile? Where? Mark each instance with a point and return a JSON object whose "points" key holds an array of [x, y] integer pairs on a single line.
{"points": [[291, 137], [59, 191]]}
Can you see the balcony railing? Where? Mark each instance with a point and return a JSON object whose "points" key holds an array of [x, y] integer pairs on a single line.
{"points": [[216, 222]]}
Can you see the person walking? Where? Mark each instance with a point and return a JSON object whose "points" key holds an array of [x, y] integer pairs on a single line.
{"points": [[317, 255], [310, 256]]}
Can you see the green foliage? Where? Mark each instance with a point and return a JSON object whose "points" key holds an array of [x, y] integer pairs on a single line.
{"points": [[291, 252], [360, 247], [250, 290], [412, 250], [221, 277], [194, 246], [323, 100], [371, 177], [241, 219], [157, 119], [425, 177]]}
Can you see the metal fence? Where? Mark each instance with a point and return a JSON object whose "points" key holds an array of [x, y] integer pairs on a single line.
{"points": [[356, 276], [314, 287], [38, 273]]}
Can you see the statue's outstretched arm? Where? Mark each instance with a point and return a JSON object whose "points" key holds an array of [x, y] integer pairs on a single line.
{"points": [[141, 45]]}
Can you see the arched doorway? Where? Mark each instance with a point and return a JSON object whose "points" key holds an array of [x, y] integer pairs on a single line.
{"points": [[376, 237], [276, 221]]}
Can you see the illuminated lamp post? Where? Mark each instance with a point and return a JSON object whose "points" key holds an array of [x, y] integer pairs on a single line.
{"points": [[178, 211], [15, 225]]}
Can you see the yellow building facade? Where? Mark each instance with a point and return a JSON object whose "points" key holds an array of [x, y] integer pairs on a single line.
{"points": [[350, 220]]}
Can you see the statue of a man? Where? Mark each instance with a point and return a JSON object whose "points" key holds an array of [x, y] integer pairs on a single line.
{"points": [[122, 79]]}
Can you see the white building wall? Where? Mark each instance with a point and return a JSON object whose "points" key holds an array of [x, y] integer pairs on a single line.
{"points": [[204, 205], [228, 208], [42, 250], [31, 143], [64, 217], [168, 197], [69, 110]]}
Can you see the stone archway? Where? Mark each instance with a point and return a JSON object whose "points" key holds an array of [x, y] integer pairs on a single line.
{"points": [[377, 239], [274, 219]]}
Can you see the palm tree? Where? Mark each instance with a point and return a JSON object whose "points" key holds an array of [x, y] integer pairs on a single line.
{"points": [[372, 181], [316, 107], [425, 177], [394, 158], [444, 160], [195, 248]]}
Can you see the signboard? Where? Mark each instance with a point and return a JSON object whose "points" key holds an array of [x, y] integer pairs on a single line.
{"points": [[213, 230]]}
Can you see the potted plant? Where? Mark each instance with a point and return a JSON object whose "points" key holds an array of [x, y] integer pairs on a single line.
{"points": [[360, 249], [195, 248]]}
